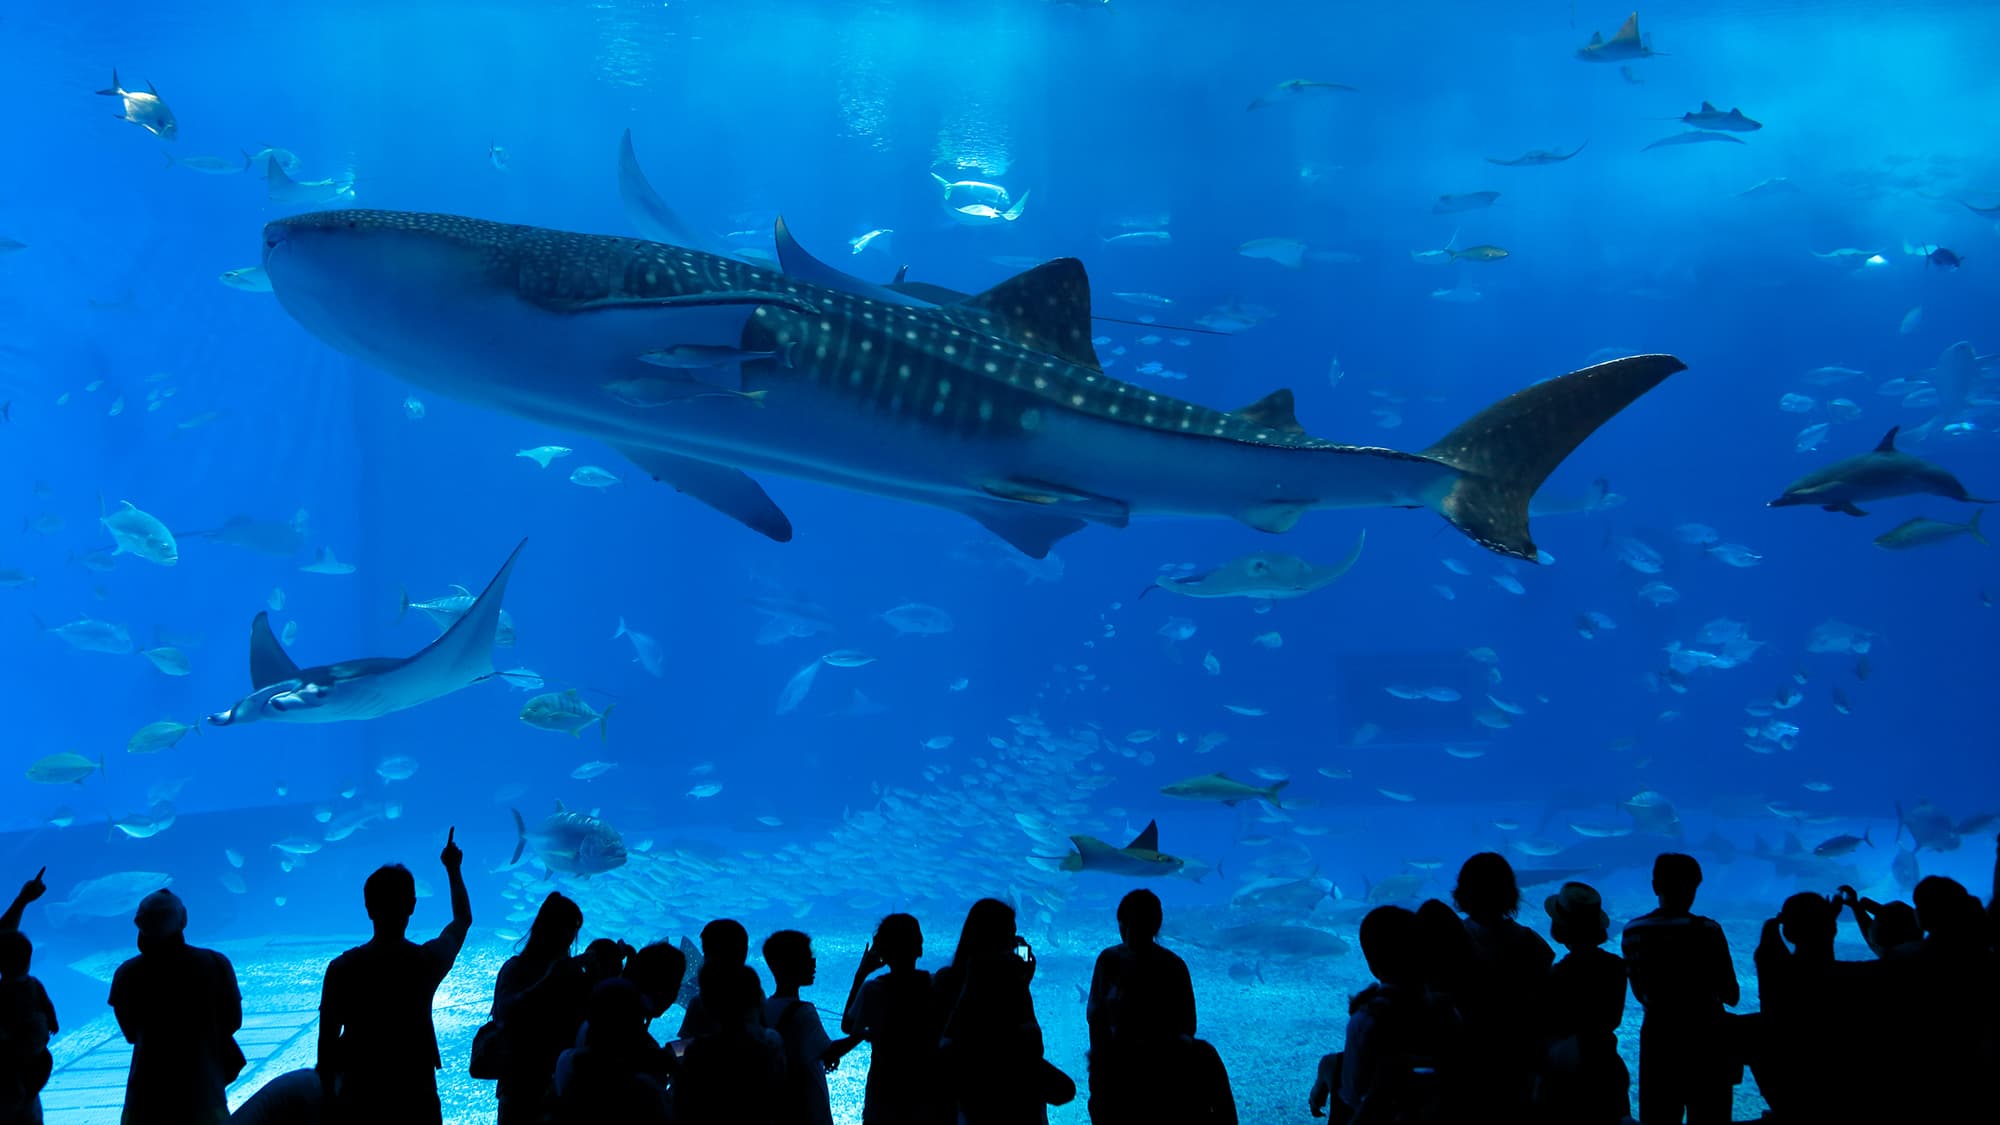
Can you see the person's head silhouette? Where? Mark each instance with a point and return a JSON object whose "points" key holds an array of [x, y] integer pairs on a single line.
{"points": [[1139, 917], [391, 896]]}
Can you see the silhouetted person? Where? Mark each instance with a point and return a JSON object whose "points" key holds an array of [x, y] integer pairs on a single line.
{"points": [[1679, 965], [614, 1076], [734, 1073], [1952, 976], [27, 1018], [1400, 1043], [1584, 1082], [378, 1053], [538, 1001], [179, 1008], [1446, 952], [1800, 1035], [1142, 1022], [292, 1098], [1502, 1003], [657, 970], [989, 1039], [893, 1012], [1889, 928], [809, 1054], [723, 942]]}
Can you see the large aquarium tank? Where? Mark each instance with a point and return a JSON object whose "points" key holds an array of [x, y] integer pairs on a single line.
{"points": [[797, 461]]}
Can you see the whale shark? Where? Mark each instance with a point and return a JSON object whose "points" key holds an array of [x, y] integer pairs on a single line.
{"points": [[1268, 576], [995, 407], [370, 687]]}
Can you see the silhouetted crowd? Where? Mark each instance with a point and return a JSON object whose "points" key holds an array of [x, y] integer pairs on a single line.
{"points": [[1472, 1018]]}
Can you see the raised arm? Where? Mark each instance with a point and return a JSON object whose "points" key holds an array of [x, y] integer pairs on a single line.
{"points": [[850, 1016], [30, 891], [452, 937]]}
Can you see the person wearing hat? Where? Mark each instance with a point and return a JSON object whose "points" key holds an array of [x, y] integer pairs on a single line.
{"points": [[1584, 1082], [179, 1007]]}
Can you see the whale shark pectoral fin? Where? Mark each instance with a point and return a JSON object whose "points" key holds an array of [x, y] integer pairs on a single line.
{"points": [[1033, 533], [646, 211], [1506, 451], [269, 663], [462, 654], [1276, 517], [729, 491], [796, 261]]}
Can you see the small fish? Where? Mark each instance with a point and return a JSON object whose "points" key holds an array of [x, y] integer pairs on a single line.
{"points": [[847, 658], [1479, 254], [396, 767], [1776, 185], [697, 357], [565, 712], [873, 240], [590, 476], [63, 769], [145, 110], [705, 790], [1943, 258], [543, 454], [1842, 845], [1293, 88], [250, 279], [1924, 532], [589, 770], [646, 651], [496, 156], [1470, 201], [1287, 252], [168, 659]]}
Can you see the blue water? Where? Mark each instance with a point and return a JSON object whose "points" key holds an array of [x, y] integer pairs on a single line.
{"points": [[836, 114]]}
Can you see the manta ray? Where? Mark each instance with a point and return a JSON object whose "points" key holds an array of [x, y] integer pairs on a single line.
{"points": [[1263, 575], [995, 407], [373, 686]]}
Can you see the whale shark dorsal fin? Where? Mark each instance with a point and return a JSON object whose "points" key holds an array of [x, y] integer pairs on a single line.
{"points": [[1274, 411], [1888, 444], [464, 652], [1046, 308], [269, 664], [1148, 839], [1630, 31], [1709, 107]]}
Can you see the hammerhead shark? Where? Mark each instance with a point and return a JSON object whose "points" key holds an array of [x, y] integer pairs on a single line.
{"points": [[1882, 473], [373, 686], [1268, 576], [995, 407]]}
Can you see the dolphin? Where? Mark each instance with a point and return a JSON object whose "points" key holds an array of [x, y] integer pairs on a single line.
{"points": [[1140, 859], [1626, 44], [1882, 473], [1267, 576], [373, 686], [995, 407]]}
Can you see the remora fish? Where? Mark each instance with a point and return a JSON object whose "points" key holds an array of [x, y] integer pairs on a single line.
{"points": [[571, 842], [1881, 473], [1260, 576], [1141, 859], [995, 407], [370, 687]]}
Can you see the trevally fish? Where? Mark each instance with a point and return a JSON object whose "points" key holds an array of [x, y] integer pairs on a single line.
{"points": [[145, 110], [107, 896], [370, 687], [565, 712], [140, 534], [995, 407], [571, 842], [1267, 576]]}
